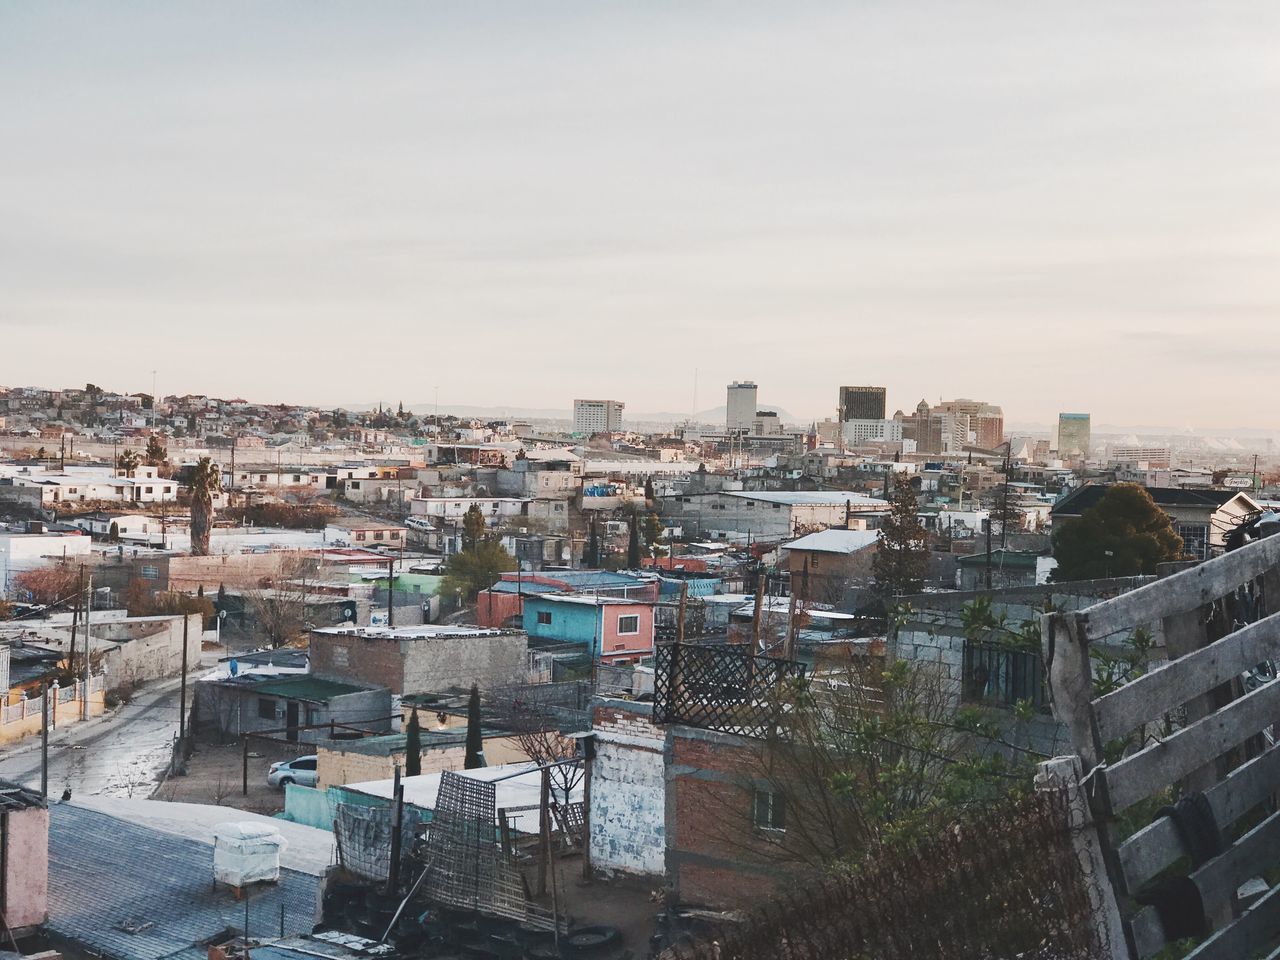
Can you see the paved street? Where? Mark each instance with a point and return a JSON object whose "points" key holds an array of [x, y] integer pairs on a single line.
{"points": [[121, 754]]}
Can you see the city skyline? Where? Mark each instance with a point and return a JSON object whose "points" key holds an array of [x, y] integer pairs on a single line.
{"points": [[356, 205]]}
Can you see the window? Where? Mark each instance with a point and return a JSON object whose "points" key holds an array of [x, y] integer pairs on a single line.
{"points": [[360, 535], [306, 763], [995, 674], [377, 534], [297, 478], [544, 616], [769, 810], [148, 490], [262, 478], [395, 534], [1195, 540], [266, 709], [354, 484], [813, 561], [629, 624]]}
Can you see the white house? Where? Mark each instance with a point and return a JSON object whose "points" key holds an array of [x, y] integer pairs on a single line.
{"points": [[494, 509]]}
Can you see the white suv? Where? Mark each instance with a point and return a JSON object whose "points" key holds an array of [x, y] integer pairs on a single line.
{"points": [[301, 771]]}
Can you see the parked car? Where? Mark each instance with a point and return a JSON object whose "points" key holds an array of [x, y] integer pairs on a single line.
{"points": [[301, 771]]}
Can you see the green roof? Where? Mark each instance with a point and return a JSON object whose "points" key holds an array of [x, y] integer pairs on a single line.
{"points": [[306, 688], [1001, 558], [392, 743]]}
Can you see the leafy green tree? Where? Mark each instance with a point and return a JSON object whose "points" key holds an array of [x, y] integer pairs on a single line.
{"points": [[633, 545], [1124, 535], [128, 462], [205, 481], [902, 552], [156, 452], [413, 746], [476, 569], [652, 530], [473, 527], [475, 737]]}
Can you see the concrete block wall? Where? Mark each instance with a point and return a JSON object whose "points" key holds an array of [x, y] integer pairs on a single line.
{"points": [[435, 665], [423, 665]]}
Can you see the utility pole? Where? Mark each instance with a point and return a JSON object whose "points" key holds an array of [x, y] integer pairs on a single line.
{"points": [[1004, 513], [44, 740], [756, 613], [988, 551], [391, 606], [182, 704], [88, 648], [1255, 473], [75, 618], [393, 868]]}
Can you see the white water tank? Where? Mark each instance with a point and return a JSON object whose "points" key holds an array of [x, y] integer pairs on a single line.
{"points": [[246, 852]]}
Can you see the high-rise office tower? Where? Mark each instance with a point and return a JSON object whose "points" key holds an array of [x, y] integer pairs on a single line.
{"points": [[862, 403], [1073, 436], [740, 406], [597, 416]]}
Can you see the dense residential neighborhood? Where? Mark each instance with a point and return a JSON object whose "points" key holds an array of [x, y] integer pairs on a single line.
{"points": [[578, 481], [369, 617]]}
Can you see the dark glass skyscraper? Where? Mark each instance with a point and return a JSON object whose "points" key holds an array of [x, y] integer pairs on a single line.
{"points": [[861, 403]]}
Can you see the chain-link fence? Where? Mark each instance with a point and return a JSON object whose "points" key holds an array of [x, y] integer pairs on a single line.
{"points": [[1005, 881]]}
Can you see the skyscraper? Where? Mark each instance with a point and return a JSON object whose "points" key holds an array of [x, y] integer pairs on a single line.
{"points": [[1073, 436], [597, 416], [740, 406], [862, 403], [985, 420]]}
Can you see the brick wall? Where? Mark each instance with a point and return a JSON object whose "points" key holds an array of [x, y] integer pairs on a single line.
{"points": [[715, 858], [354, 658]]}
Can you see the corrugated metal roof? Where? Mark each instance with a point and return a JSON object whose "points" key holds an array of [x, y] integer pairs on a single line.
{"points": [[306, 688], [108, 876]]}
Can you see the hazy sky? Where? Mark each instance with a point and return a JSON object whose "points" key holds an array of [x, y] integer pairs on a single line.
{"points": [[1052, 206]]}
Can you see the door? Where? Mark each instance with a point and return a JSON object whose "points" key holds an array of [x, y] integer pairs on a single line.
{"points": [[291, 720]]}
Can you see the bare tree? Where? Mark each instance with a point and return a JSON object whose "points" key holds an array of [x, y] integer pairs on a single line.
{"points": [[868, 753], [278, 606], [536, 716]]}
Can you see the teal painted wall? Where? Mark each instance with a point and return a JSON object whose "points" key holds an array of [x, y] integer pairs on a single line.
{"points": [[570, 623]]}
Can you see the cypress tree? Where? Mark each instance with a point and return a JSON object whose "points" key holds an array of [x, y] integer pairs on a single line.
{"points": [[413, 746], [475, 741], [633, 545], [592, 557]]}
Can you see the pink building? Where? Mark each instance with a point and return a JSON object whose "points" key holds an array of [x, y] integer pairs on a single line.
{"points": [[24, 834]]}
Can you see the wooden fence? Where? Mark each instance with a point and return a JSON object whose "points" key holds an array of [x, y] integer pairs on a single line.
{"points": [[1198, 726]]}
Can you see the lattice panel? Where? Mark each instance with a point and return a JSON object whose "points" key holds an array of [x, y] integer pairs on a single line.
{"points": [[722, 688], [466, 863], [571, 818]]}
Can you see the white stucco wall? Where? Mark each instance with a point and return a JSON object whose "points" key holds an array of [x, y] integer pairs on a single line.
{"points": [[628, 795]]}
